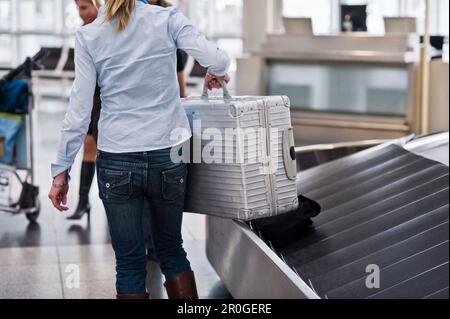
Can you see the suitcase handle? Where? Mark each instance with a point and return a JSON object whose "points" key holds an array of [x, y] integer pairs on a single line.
{"points": [[226, 93], [289, 156]]}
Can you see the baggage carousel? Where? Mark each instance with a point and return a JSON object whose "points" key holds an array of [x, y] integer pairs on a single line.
{"points": [[384, 209]]}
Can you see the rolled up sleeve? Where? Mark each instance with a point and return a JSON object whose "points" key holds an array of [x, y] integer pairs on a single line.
{"points": [[78, 116], [189, 39]]}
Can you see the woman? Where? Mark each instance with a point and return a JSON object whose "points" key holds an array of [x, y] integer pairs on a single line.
{"points": [[88, 10], [130, 50]]}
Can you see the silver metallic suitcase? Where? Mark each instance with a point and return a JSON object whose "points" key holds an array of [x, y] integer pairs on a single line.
{"points": [[247, 167]]}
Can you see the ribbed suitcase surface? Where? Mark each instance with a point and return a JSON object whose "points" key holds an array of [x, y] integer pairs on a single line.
{"points": [[252, 171]]}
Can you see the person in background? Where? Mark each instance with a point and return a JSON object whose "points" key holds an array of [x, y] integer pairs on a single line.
{"points": [[347, 24], [141, 109], [88, 11]]}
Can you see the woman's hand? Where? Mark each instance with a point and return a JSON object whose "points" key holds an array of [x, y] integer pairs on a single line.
{"points": [[213, 82], [58, 192]]}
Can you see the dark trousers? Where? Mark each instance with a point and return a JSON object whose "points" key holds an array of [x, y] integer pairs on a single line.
{"points": [[127, 183]]}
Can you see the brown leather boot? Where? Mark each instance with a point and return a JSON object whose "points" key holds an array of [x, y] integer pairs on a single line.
{"points": [[133, 296], [182, 286]]}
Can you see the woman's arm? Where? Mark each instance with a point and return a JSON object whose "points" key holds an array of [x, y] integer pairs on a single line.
{"points": [[76, 121], [189, 39]]}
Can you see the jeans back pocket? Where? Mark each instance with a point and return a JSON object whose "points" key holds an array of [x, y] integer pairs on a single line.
{"points": [[114, 185], [174, 183]]}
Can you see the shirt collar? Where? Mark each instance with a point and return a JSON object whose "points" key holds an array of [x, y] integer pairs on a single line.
{"points": [[101, 10]]}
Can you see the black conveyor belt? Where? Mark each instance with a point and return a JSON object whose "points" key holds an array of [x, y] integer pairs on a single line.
{"points": [[387, 207]]}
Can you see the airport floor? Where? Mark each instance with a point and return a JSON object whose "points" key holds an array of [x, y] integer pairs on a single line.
{"points": [[37, 260]]}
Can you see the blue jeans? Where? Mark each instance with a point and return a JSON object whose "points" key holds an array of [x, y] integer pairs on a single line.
{"points": [[125, 182]]}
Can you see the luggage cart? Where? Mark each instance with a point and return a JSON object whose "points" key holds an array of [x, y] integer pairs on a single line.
{"points": [[22, 168]]}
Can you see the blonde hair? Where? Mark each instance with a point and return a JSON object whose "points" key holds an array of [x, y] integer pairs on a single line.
{"points": [[120, 10]]}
